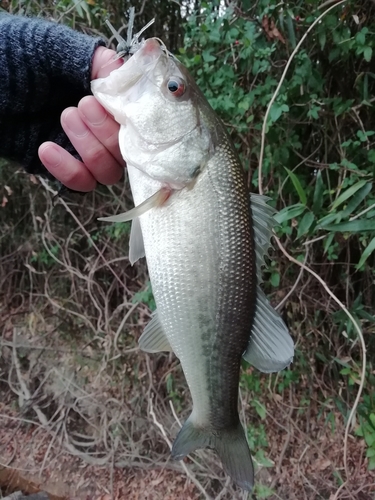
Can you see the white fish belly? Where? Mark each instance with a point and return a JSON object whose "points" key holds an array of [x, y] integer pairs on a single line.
{"points": [[182, 259]]}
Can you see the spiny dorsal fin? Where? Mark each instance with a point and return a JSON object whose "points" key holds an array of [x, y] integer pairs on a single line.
{"points": [[263, 223]]}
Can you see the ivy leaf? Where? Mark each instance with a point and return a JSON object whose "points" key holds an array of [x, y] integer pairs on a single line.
{"points": [[277, 110], [207, 57]]}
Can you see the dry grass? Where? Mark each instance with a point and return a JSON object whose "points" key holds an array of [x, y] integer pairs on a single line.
{"points": [[86, 414]]}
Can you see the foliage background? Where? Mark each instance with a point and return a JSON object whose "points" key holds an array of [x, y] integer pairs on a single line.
{"points": [[67, 288]]}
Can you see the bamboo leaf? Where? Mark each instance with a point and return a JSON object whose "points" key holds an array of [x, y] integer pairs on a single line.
{"points": [[357, 199], [354, 226], [348, 193], [305, 224], [297, 185], [366, 253], [288, 213], [327, 219], [318, 193]]}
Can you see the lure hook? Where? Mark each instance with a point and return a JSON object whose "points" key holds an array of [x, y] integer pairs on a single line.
{"points": [[129, 46]]}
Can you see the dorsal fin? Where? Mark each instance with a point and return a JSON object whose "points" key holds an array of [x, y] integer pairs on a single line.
{"points": [[270, 347]]}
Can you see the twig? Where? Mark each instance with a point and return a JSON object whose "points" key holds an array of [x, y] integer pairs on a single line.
{"points": [[48, 188], [124, 320], [25, 393], [363, 212], [362, 341], [263, 137], [174, 413], [282, 302]]}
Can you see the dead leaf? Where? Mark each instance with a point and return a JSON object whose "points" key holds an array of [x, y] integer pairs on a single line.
{"points": [[33, 179], [272, 33], [322, 464], [8, 190], [4, 202]]}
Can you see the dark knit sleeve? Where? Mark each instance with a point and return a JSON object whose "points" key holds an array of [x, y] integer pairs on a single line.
{"points": [[44, 68]]}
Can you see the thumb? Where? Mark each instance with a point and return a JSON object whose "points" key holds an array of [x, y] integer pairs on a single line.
{"points": [[103, 62]]}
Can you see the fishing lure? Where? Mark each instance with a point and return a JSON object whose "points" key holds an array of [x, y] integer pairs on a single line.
{"points": [[128, 47]]}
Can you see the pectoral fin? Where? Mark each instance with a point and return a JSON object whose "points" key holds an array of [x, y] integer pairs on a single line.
{"points": [[153, 339], [136, 246], [271, 347], [156, 200]]}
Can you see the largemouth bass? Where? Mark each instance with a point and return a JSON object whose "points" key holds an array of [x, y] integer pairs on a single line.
{"points": [[204, 240]]}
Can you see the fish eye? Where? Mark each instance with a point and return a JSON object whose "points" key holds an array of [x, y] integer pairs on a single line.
{"points": [[176, 86]]}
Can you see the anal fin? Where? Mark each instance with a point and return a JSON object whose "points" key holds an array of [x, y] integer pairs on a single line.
{"points": [[153, 338], [271, 347]]}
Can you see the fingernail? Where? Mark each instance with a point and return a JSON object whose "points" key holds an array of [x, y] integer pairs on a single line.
{"points": [[75, 123], [95, 115], [52, 156]]}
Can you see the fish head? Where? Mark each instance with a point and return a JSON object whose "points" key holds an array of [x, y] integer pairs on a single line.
{"points": [[167, 126]]}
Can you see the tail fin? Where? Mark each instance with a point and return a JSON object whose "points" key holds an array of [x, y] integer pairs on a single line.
{"points": [[230, 445]]}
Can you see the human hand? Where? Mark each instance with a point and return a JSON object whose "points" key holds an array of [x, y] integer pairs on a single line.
{"points": [[94, 135]]}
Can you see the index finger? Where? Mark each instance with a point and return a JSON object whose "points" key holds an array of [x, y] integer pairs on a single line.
{"points": [[102, 125]]}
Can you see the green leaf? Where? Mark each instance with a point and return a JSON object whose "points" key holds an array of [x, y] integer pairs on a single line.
{"points": [[275, 279], [370, 453], [305, 224], [207, 57], [328, 241], [367, 54], [369, 438], [291, 33], [348, 193], [366, 254], [78, 7], [358, 197], [327, 219], [260, 409], [322, 39], [371, 463], [288, 213], [277, 110], [318, 193], [297, 185], [354, 226], [263, 491], [361, 37]]}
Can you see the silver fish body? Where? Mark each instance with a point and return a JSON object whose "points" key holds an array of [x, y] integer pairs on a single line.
{"points": [[204, 247]]}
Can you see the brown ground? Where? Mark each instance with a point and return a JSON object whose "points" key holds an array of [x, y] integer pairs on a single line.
{"points": [[303, 457]]}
